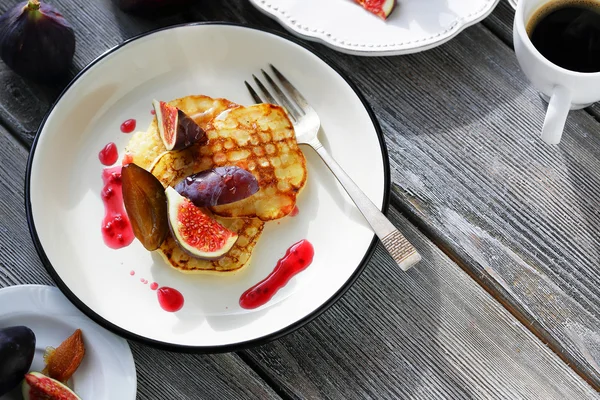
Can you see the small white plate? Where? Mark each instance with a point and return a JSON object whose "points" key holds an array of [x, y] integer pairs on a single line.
{"points": [[107, 371], [415, 25], [65, 209]]}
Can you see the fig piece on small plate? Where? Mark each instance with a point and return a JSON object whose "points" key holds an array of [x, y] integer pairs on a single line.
{"points": [[195, 232], [176, 129], [62, 362], [146, 205], [37, 386], [381, 8]]}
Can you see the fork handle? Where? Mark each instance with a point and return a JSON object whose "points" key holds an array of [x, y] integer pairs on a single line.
{"points": [[395, 243]]}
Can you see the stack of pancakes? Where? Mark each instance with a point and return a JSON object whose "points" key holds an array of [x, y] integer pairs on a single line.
{"points": [[258, 138]]}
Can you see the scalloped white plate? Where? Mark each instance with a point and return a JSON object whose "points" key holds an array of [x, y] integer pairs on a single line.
{"points": [[415, 25], [107, 371]]}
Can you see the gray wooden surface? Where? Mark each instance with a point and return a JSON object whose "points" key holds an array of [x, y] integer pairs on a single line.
{"points": [[429, 333], [518, 216]]}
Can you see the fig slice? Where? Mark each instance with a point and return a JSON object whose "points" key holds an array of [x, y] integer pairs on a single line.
{"points": [[62, 362], [37, 386], [176, 129], [217, 186], [196, 233], [146, 205], [381, 8]]}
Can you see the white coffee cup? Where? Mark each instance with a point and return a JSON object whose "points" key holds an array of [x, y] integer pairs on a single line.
{"points": [[563, 89]]}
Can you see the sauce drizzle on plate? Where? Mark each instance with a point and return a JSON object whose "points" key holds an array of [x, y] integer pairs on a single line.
{"points": [[296, 259]]}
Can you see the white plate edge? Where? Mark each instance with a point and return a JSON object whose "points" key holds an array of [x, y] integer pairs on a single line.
{"points": [[394, 50]]}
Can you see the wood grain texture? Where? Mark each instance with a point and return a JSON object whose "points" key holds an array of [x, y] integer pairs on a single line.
{"points": [[429, 333], [422, 334], [462, 126], [161, 375]]}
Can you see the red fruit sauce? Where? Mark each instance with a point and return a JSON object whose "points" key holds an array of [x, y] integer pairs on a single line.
{"points": [[128, 126], [296, 259], [170, 299], [154, 286], [294, 212], [116, 228], [109, 154], [132, 272], [152, 112]]}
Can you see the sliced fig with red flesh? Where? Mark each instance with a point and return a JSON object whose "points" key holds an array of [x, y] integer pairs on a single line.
{"points": [[381, 8], [40, 387], [146, 205], [177, 130], [196, 233], [221, 185]]}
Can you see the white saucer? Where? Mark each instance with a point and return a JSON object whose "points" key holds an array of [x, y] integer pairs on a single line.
{"points": [[413, 26]]}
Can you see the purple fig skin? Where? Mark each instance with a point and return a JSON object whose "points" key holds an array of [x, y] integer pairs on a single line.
{"points": [[36, 41], [218, 186], [187, 131]]}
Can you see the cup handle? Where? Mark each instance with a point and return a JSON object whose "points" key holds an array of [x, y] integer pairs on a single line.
{"points": [[556, 116]]}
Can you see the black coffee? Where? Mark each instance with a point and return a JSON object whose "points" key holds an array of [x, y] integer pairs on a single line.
{"points": [[567, 33]]}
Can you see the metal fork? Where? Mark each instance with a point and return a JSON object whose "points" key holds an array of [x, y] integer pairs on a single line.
{"points": [[307, 124]]}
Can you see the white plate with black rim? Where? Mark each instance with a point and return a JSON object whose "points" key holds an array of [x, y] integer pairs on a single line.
{"points": [[107, 370], [343, 25], [112, 287]]}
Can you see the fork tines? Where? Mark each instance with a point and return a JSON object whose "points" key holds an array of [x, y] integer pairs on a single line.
{"points": [[280, 97]]}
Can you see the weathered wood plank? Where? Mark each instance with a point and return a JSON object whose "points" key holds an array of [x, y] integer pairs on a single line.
{"points": [[462, 126], [428, 333], [161, 375]]}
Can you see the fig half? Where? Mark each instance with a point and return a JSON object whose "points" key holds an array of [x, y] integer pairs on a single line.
{"points": [[221, 185], [62, 362], [146, 205], [40, 387], [196, 233], [177, 130], [381, 8]]}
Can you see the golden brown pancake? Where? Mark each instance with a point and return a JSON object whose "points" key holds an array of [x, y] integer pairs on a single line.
{"points": [[258, 138]]}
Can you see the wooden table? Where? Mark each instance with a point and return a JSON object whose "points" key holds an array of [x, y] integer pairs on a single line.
{"points": [[505, 303]]}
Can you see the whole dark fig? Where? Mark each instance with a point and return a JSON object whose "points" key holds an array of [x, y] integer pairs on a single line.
{"points": [[36, 41]]}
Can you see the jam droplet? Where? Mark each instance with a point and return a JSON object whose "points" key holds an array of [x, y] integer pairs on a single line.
{"points": [[116, 228], [294, 212], [154, 286], [109, 154], [128, 126], [170, 299], [296, 259]]}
